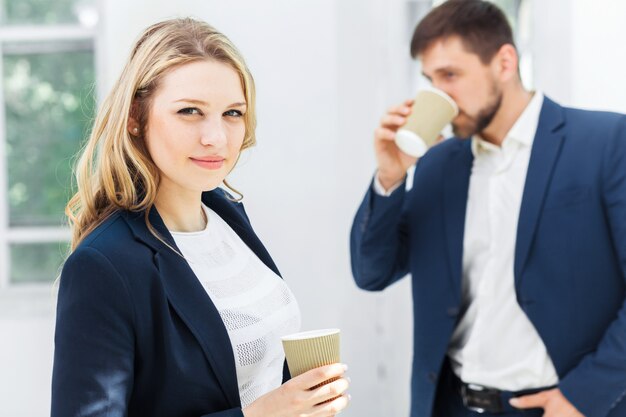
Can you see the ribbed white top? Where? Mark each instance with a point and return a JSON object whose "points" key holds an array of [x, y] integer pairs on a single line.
{"points": [[255, 304]]}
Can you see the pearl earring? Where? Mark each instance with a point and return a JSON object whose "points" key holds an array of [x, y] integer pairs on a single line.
{"points": [[135, 130]]}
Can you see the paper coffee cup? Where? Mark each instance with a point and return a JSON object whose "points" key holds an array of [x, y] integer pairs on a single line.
{"points": [[432, 111], [309, 350]]}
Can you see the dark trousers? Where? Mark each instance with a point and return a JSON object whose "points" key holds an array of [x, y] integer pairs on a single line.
{"points": [[449, 403]]}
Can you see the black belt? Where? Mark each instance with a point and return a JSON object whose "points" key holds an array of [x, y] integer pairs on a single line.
{"points": [[483, 399]]}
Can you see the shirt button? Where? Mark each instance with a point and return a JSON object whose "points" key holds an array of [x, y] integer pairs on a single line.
{"points": [[432, 377]]}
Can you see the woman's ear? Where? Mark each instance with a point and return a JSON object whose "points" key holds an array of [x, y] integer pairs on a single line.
{"points": [[133, 127]]}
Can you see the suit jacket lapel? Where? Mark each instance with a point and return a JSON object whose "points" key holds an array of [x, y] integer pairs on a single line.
{"points": [[544, 154], [193, 305], [456, 186], [186, 294], [234, 215]]}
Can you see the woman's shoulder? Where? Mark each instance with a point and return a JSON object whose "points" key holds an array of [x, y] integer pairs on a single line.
{"points": [[95, 278], [114, 240], [113, 231]]}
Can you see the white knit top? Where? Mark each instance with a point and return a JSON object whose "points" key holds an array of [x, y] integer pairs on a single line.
{"points": [[255, 304]]}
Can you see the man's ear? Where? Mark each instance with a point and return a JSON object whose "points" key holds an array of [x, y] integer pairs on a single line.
{"points": [[506, 61], [133, 126]]}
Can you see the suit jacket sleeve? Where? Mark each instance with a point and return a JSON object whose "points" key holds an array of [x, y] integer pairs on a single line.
{"points": [[94, 339], [598, 383], [378, 241]]}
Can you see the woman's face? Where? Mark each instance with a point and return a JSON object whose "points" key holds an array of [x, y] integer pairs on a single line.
{"points": [[196, 127]]}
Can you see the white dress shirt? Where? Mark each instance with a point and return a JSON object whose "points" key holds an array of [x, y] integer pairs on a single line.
{"points": [[255, 304], [495, 344]]}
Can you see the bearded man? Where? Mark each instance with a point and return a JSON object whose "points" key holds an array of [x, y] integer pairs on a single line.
{"points": [[514, 234]]}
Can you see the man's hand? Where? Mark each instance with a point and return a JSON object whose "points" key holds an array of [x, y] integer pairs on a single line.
{"points": [[392, 162], [552, 401]]}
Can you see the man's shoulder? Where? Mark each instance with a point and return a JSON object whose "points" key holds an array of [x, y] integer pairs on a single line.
{"points": [[440, 154], [577, 116], [449, 146]]}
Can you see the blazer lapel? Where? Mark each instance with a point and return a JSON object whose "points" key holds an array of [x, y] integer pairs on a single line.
{"points": [[191, 302], [544, 154], [195, 308], [234, 215], [456, 186]]}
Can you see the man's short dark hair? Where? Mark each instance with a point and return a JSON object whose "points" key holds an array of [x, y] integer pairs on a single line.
{"points": [[481, 25]]}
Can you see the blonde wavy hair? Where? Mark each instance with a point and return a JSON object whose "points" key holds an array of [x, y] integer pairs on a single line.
{"points": [[115, 171]]}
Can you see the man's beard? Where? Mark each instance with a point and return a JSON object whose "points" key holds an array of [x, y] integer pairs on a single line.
{"points": [[478, 123]]}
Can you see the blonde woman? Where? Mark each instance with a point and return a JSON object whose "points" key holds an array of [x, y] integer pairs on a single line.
{"points": [[169, 305]]}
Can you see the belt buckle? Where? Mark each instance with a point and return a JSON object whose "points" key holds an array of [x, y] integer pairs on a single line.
{"points": [[481, 399]]}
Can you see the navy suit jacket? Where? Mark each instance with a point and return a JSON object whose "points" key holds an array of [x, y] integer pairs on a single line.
{"points": [[570, 255], [136, 333]]}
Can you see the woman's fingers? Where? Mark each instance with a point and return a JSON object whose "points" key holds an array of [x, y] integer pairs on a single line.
{"points": [[318, 375], [330, 391], [333, 407], [306, 395]]}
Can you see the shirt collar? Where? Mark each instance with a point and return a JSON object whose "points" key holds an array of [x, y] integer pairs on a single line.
{"points": [[523, 130]]}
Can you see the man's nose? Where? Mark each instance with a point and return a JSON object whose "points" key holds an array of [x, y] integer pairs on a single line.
{"points": [[440, 86]]}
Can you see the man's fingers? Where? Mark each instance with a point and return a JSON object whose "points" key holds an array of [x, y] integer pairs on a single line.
{"points": [[392, 120], [382, 133], [402, 110], [529, 401]]}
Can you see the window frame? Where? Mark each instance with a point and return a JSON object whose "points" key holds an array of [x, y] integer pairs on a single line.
{"points": [[16, 34]]}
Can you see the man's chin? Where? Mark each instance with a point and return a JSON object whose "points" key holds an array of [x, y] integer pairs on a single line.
{"points": [[462, 133]]}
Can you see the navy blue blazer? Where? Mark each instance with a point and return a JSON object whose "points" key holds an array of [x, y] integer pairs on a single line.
{"points": [[136, 333], [570, 255]]}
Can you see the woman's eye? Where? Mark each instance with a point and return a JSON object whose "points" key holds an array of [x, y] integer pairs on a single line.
{"points": [[189, 110], [233, 113]]}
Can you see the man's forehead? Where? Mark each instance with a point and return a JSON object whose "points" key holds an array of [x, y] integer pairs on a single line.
{"points": [[445, 52]]}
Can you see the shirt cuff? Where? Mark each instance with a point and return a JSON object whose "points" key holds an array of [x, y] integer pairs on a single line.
{"points": [[380, 190]]}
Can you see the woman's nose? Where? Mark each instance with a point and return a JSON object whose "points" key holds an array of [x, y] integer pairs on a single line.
{"points": [[213, 133]]}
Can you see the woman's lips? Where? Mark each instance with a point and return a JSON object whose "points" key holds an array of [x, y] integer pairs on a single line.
{"points": [[208, 163]]}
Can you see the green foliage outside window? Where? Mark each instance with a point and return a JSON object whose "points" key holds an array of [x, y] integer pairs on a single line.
{"points": [[49, 107], [39, 11], [48, 110], [37, 262]]}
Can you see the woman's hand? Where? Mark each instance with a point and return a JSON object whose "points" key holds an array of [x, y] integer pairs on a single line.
{"points": [[298, 398], [392, 162]]}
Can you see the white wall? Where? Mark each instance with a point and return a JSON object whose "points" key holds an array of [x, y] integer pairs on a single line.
{"points": [[325, 71], [26, 333], [579, 52], [598, 55], [319, 97]]}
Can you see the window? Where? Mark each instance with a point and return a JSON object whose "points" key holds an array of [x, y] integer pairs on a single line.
{"points": [[519, 13], [47, 96]]}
